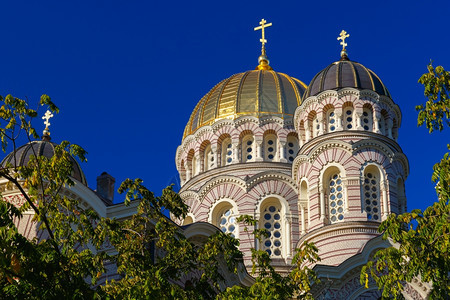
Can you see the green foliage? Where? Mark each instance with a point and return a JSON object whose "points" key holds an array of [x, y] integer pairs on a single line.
{"points": [[51, 267], [270, 284], [436, 111], [422, 237], [154, 256]]}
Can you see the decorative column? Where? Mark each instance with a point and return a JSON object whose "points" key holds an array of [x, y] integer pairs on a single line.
{"points": [[320, 119], [187, 167], [338, 114], [235, 150], [198, 165], [282, 150], [259, 152], [307, 131], [302, 215], [385, 200], [358, 121], [376, 122], [322, 204], [389, 129], [214, 154]]}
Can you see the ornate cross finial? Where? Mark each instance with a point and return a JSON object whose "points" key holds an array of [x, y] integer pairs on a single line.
{"points": [[342, 36], [47, 117], [263, 24]]}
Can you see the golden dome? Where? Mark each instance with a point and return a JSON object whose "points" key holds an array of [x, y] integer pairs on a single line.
{"points": [[252, 93]]}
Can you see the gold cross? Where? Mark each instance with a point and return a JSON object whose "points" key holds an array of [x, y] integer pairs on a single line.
{"points": [[47, 117], [263, 25], [342, 36]]}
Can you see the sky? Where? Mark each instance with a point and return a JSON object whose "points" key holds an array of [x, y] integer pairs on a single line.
{"points": [[126, 75]]}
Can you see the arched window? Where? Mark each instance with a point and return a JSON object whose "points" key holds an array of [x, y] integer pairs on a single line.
{"points": [[335, 198], [292, 148], [224, 217], [331, 120], [208, 162], [348, 117], [248, 148], [227, 152], [271, 221], [367, 118], [371, 193], [270, 147]]}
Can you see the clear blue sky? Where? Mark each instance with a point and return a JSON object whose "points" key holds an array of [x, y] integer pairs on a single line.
{"points": [[126, 75]]}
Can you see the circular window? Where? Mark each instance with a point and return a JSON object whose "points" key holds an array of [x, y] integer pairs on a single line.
{"points": [[229, 153], [348, 112], [272, 209], [249, 143], [267, 225], [229, 146], [229, 160], [270, 142], [291, 151], [349, 126], [291, 158], [267, 216], [249, 157], [291, 145], [249, 149], [277, 225], [270, 149], [270, 156]]}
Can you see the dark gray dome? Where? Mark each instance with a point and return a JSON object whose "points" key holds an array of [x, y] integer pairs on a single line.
{"points": [[346, 73], [45, 148]]}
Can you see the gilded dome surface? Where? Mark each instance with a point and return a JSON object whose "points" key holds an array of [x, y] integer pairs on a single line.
{"points": [[346, 73], [254, 93], [44, 148]]}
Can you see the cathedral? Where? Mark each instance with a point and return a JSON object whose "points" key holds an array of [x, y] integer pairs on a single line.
{"points": [[312, 163], [317, 163]]}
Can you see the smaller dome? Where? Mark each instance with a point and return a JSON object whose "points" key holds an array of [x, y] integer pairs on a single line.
{"points": [[45, 148], [346, 73]]}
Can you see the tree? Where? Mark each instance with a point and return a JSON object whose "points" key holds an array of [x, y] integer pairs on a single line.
{"points": [[152, 255], [422, 237], [269, 284], [70, 259], [147, 275], [51, 267]]}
